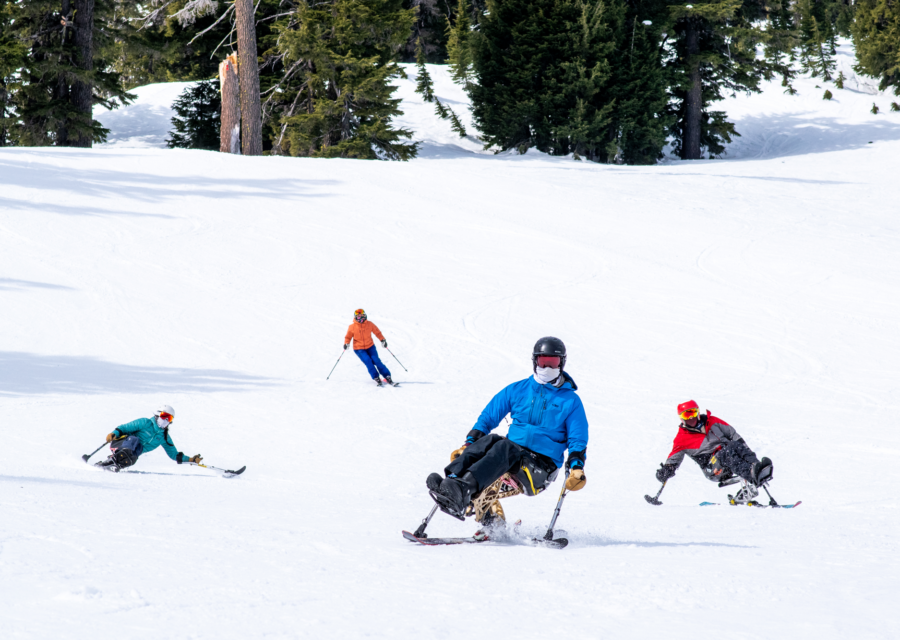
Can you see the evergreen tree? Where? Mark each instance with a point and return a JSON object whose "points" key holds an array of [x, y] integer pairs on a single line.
{"points": [[12, 58], [543, 75], [65, 71], [424, 84], [714, 51], [876, 34], [639, 119], [341, 55], [839, 81], [196, 125], [781, 43], [429, 29], [817, 36], [827, 95], [459, 49]]}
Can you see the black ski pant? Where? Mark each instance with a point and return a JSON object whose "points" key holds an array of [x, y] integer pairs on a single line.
{"points": [[737, 457], [487, 459]]}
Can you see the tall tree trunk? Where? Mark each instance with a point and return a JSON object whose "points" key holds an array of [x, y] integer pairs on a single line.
{"points": [[248, 69], [230, 129], [693, 102], [61, 92], [82, 91]]}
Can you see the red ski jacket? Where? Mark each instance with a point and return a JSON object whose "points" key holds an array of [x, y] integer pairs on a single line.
{"points": [[701, 443]]}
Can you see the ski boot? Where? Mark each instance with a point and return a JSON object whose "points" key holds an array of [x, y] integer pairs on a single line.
{"points": [[378, 381], [455, 494], [108, 465], [433, 482]]}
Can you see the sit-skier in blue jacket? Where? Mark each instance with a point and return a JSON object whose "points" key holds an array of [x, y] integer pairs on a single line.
{"points": [[131, 440], [547, 418]]}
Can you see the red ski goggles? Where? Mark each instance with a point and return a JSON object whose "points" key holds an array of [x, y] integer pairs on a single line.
{"points": [[687, 414], [548, 361], [167, 416]]}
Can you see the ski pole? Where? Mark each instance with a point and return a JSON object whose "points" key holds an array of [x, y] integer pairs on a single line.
{"points": [[772, 502], [87, 456], [420, 532], [562, 495], [336, 363], [397, 359], [655, 499]]}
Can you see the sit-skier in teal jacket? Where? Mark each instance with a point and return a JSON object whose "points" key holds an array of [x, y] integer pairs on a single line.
{"points": [[129, 441]]}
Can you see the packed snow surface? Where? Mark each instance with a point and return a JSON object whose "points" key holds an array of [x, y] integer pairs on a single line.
{"points": [[765, 286]]}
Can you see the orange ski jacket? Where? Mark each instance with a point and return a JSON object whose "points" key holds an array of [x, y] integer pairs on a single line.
{"points": [[361, 334]]}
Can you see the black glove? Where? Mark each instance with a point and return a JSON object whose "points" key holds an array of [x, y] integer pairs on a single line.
{"points": [[665, 472], [384, 343], [346, 345]]}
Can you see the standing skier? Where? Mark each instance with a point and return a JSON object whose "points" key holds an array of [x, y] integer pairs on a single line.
{"points": [[142, 436], [547, 418], [360, 332], [721, 453]]}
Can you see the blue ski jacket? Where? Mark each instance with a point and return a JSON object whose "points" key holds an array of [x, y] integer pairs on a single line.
{"points": [[150, 435], [545, 419]]}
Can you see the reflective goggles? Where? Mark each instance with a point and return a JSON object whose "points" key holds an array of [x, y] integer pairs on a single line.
{"points": [[359, 312], [687, 414], [548, 361], [168, 417]]}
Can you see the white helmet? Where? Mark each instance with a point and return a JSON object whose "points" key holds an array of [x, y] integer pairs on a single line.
{"points": [[164, 408]]}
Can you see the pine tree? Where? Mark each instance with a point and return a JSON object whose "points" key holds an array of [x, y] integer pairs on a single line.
{"points": [[839, 81], [429, 29], [543, 75], [12, 58], [196, 125], [876, 34], [639, 119], [782, 39], [714, 51], [459, 47], [341, 54], [424, 84], [817, 38], [828, 95], [874, 109], [65, 72]]}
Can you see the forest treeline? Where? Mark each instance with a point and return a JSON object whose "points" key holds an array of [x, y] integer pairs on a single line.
{"points": [[607, 80]]}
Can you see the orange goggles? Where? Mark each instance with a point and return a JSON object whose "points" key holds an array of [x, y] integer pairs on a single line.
{"points": [[167, 416], [687, 414], [359, 312]]}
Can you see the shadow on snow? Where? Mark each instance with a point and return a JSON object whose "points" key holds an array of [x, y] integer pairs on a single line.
{"points": [[31, 374]]}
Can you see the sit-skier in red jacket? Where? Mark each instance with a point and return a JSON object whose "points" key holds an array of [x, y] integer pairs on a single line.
{"points": [[719, 450]]}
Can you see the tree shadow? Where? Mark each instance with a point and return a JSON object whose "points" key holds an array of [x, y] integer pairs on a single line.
{"points": [[24, 374], [803, 134], [147, 187], [11, 284]]}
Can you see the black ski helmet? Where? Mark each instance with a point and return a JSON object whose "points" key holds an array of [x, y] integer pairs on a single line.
{"points": [[549, 346]]}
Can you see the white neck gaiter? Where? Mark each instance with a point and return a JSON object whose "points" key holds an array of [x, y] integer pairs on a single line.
{"points": [[162, 423], [544, 375]]}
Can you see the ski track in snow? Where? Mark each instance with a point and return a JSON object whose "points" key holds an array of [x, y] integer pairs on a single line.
{"points": [[764, 285]]}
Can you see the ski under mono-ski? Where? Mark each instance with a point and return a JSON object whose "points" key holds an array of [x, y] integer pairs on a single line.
{"points": [[479, 537], [751, 504]]}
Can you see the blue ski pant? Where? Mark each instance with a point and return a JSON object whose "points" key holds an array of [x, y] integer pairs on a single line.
{"points": [[373, 362]]}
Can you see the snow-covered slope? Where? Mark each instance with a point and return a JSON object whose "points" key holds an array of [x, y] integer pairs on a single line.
{"points": [[766, 288]]}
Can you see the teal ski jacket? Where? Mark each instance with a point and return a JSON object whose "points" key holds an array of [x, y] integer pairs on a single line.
{"points": [[151, 436]]}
